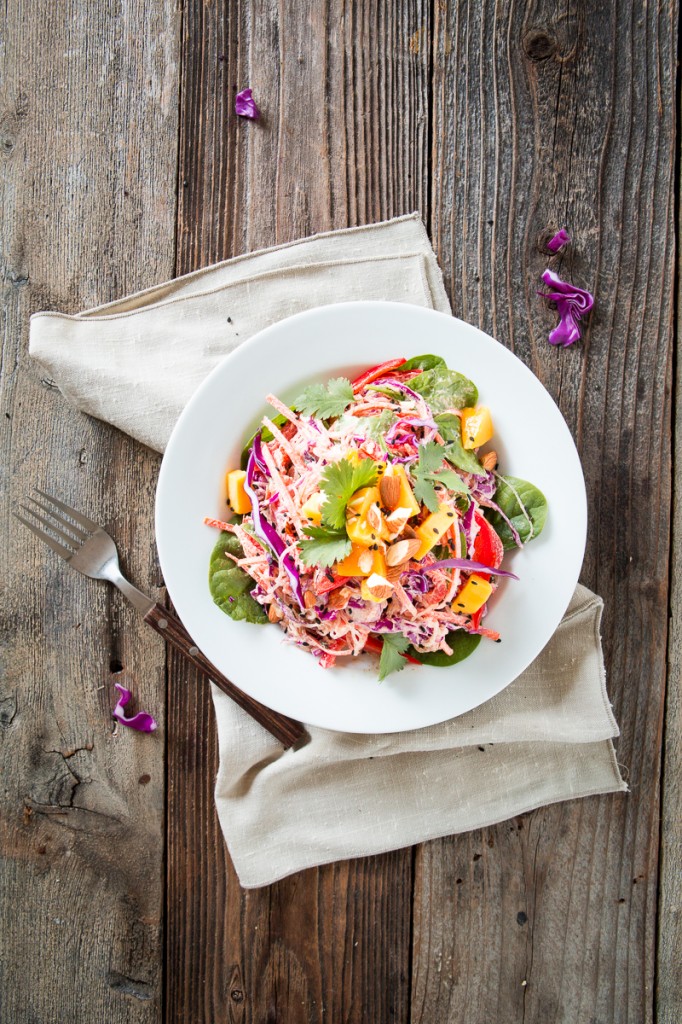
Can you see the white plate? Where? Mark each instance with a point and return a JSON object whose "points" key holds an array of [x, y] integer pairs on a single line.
{"points": [[531, 438]]}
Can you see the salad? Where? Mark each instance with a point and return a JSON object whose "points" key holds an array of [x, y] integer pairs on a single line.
{"points": [[370, 517]]}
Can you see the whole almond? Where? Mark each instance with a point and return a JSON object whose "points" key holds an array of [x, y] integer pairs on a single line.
{"points": [[409, 533], [393, 573], [489, 460], [402, 551], [338, 598], [397, 520], [389, 488], [275, 613], [379, 587], [374, 517]]}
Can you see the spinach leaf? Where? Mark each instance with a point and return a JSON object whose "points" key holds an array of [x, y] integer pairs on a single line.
{"points": [[462, 644], [422, 363], [450, 428], [266, 435], [445, 389], [230, 586], [507, 496]]}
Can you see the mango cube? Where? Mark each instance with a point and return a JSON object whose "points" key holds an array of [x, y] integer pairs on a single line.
{"points": [[312, 510], [477, 426], [349, 566], [236, 495], [360, 532], [473, 595], [362, 499], [433, 528]]}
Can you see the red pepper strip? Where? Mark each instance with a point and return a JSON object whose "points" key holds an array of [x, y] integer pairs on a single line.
{"points": [[488, 548], [375, 372], [376, 646], [476, 617]]}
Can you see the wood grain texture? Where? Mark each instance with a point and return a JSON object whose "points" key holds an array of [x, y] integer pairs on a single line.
{"points": [[172, 630], [343, 90], [545, 119], [88, 134], [669, 952]]}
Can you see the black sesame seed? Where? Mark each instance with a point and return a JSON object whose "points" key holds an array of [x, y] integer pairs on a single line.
{"points": [[499, 641], [459, 604], [451, 515], [435, 529], [474, 583], [471, 439], [374, 536]]}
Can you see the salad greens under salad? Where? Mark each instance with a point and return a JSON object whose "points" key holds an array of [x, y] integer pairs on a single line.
{"points": [[368, 517]]}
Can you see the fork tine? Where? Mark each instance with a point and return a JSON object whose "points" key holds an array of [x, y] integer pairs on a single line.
{"points": [[71, 542], [78, 533], [78, 516], [64, 552]]}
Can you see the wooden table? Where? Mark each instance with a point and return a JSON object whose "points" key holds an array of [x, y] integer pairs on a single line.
{"points": [[122, 165]]}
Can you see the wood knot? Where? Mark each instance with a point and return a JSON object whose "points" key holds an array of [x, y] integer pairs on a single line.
{"points": [[539, 45]]}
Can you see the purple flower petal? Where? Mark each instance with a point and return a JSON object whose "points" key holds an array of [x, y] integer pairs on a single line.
{"points": [[142, 721], [245, 105], [559, 240], [572, 303]]}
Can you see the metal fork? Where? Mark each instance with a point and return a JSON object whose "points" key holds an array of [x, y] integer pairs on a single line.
{"points": [[89, 549]]}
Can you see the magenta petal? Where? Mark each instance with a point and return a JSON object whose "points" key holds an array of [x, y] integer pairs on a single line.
{"points": [[245, 105], [561, 238], [142, 721]]}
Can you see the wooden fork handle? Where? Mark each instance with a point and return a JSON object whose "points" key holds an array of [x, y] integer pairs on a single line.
{"points": [[282, 728]]}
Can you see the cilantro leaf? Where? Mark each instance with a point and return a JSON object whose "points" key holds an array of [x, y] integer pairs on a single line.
{"points": [[339, 482], [325, 400], [450, 427], [323, 546], [393, 648], [428, 472], [430, 459], [451, 480], [425, 492]]}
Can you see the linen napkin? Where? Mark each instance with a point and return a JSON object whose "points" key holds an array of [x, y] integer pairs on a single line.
{"points": [[547, 737]]}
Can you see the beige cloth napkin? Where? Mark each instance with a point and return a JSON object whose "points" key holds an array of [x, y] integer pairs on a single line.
{"points": [[546, 738]]}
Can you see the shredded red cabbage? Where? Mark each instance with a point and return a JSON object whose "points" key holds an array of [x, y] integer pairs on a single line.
{"points": [[395, 432], [142, 721], [467, 564], [572, 304], [245, 105], [485, 486], [261, 527], [559, 240]]}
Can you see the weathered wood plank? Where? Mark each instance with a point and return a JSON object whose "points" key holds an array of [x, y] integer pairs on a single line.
{"points": [[668, 974], [545, 119], [342, 140], [88, 162]]}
